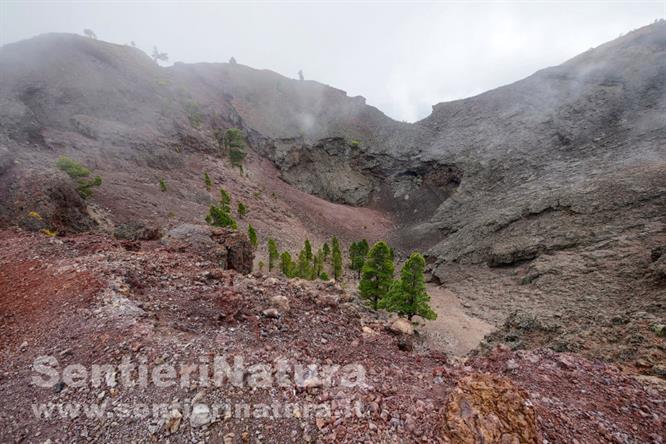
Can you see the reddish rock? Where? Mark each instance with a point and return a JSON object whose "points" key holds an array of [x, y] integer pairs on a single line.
{"points": [[486, 408]]}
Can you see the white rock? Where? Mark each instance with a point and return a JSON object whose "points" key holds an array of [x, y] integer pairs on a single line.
{"points": [[200, 415]]}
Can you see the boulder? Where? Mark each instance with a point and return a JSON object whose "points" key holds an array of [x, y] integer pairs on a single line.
{"points": [[136, 231], [200, 415], [486, 408], [401, 326], [281, 302], [228, 248]]}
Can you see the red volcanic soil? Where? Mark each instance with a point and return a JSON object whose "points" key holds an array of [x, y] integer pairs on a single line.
{"points": [[89, 300]]}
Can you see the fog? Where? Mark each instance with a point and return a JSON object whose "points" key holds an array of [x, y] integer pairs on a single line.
{"points": [[403, 57]]}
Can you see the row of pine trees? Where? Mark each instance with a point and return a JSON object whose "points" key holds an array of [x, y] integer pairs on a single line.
{"points": [[405, 294]]}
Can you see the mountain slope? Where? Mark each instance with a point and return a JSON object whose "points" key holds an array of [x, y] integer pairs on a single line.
{"points": [[546, 195]]}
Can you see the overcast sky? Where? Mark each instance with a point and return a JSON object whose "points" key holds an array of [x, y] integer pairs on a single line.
{"points": [[403, 57]]}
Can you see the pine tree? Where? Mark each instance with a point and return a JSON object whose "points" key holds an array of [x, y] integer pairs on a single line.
{"points": [[225, 200], [163, 186], [303, 265], [318, 265], [357, 253], [377, 274], [308, 250], [218, 217], [364, 247], [252, 234], [337, 259], [272, 254], [286, 265], [235, 144], [326, 250], [242, 210], [408, 296], [207, 181]]}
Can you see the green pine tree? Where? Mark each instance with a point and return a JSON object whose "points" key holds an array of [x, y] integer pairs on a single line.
{"points": [[337, 259], [303, 266], [252, 234], [286, 265], [408, 296], [326, 250], [357, 253], [225, 200], [219, 217], [308, 250], [318, 265], [235, 144], [273, 254], [377, 274], [163, 186], [207, 181], [242, 210]]}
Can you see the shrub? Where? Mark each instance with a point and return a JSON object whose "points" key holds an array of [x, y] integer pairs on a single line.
{"points": [[407, 296], [355, 144], [163, 186], [377, 274], [261, 266], [272, 254], [323, 276], [194, 115], [207, 181], [252, 234], [79, 174]]}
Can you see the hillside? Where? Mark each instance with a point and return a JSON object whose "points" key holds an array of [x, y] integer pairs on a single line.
{"points": [[540, 207]]}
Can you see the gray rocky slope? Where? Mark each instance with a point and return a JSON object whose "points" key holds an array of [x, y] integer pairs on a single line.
{"points": [[551, 188]]}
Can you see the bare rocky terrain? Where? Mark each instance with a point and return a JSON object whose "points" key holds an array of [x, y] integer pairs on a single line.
{"points": [[540, 206]]}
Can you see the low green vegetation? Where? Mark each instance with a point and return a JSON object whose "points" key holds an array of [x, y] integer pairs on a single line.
{"points": [[194, 115], [163, 186], [80, 174]]}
